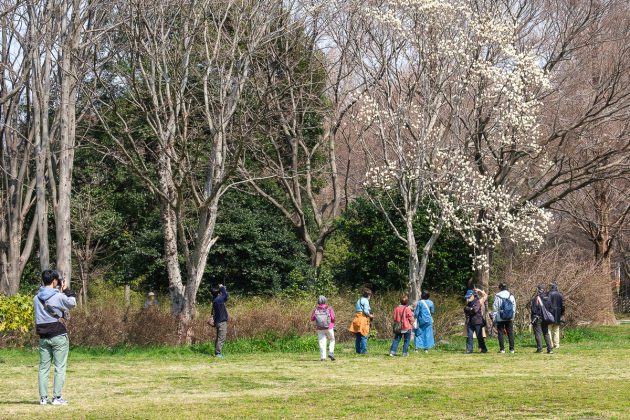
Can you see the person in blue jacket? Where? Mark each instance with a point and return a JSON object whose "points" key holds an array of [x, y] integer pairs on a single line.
{"points": [[423, 315], [51, 305]]}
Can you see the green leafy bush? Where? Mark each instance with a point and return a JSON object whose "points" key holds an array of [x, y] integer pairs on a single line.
{"points": [[16, 314]]}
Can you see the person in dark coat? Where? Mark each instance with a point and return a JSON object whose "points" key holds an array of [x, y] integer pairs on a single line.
{"points": [[556, 307], [219, 319], [541, 327], [474, 318]]}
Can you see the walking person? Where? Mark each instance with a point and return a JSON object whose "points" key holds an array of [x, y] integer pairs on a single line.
{"points": [[324, 317], [556, 307], [219, 317], [424, 318], [504, 308], [51, 304], [474, 319], [402, 326], [541, 318], [360, 325]]}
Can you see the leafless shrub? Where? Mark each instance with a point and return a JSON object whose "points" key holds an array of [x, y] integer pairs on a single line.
{"points": [[586, 288]]}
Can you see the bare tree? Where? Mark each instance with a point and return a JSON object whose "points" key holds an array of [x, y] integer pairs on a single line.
{"points": [[93, 221], [16, 142], [310, 88], [183, 70]]}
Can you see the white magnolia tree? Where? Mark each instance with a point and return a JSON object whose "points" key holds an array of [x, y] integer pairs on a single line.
{"points": [[448, 64]]}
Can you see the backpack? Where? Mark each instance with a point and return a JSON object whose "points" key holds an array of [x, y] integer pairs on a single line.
{"points": [[322, 318], [506, 310]]}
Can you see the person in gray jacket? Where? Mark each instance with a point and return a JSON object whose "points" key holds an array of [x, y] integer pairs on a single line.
{"points": [[504, 308], [52, 303]]}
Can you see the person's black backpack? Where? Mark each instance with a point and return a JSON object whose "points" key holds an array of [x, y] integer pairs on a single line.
{"points": [[506, 310]]}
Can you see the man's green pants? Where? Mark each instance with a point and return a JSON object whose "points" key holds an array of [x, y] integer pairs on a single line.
{"points": [[53, 350]]}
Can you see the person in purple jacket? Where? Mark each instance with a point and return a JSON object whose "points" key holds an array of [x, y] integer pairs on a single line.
{"points": [[324, 317], [219, 317]]}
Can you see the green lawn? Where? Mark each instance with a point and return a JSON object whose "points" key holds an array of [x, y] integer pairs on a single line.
{"points": [[588, 377]]}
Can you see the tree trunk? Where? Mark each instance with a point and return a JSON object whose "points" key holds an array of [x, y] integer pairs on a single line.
{"points": [[413, 263], [127, 295]]}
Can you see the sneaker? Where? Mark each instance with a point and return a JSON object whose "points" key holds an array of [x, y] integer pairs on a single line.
{"points": [[483, 351], [219, 355], [549, 351], [501, 351], [44, 401], [415, 350], [331, 356], [59, 401], [392, 354], [405, 354], [323, 359], [426, 351], [512, 351], [538, 351]]}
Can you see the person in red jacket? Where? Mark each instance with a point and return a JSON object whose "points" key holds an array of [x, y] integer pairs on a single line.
{"points": [[403, 317]]}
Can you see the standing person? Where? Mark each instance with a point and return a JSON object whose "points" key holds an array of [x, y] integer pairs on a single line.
{"points": [[556, 307], [403, 323], [504, 308], [539, 321], [324, 317], [474, 318], [52, 303], [219, 317], [360, 325], [423, 314]]}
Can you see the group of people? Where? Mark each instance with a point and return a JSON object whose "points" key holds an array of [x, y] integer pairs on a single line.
{"points": [[405, 321], [547, 310], [55, 299]]}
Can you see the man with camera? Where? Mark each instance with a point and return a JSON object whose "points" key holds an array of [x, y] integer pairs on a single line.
{"points": [[52, 303]]}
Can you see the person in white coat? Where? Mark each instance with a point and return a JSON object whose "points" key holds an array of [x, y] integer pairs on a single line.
{"points": [[504, 308]]}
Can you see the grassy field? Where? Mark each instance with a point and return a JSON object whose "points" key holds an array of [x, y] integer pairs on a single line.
{"points": [[588, 377]]}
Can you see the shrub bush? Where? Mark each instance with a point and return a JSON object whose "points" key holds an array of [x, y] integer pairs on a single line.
{"points": [[587, 290], [16, 318], [267, 323]]}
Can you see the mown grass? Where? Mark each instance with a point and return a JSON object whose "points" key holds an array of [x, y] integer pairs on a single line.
{"points": [[273, 377]]}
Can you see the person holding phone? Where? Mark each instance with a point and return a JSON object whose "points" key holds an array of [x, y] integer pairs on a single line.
{"points": [[52, 303]]}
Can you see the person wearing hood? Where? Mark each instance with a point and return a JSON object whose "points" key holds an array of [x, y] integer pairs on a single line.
{"points": [[504, 308], [541, 326], [51, 304], [556, 307], [324, 317], [474, 318]]}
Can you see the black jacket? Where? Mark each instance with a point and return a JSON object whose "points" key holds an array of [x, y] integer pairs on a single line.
{"points": [[219, 311], [473, 312], [536, 308], [556, 305]]}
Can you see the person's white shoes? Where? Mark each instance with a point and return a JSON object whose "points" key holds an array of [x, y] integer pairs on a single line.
{"points": [[59, 401]]}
